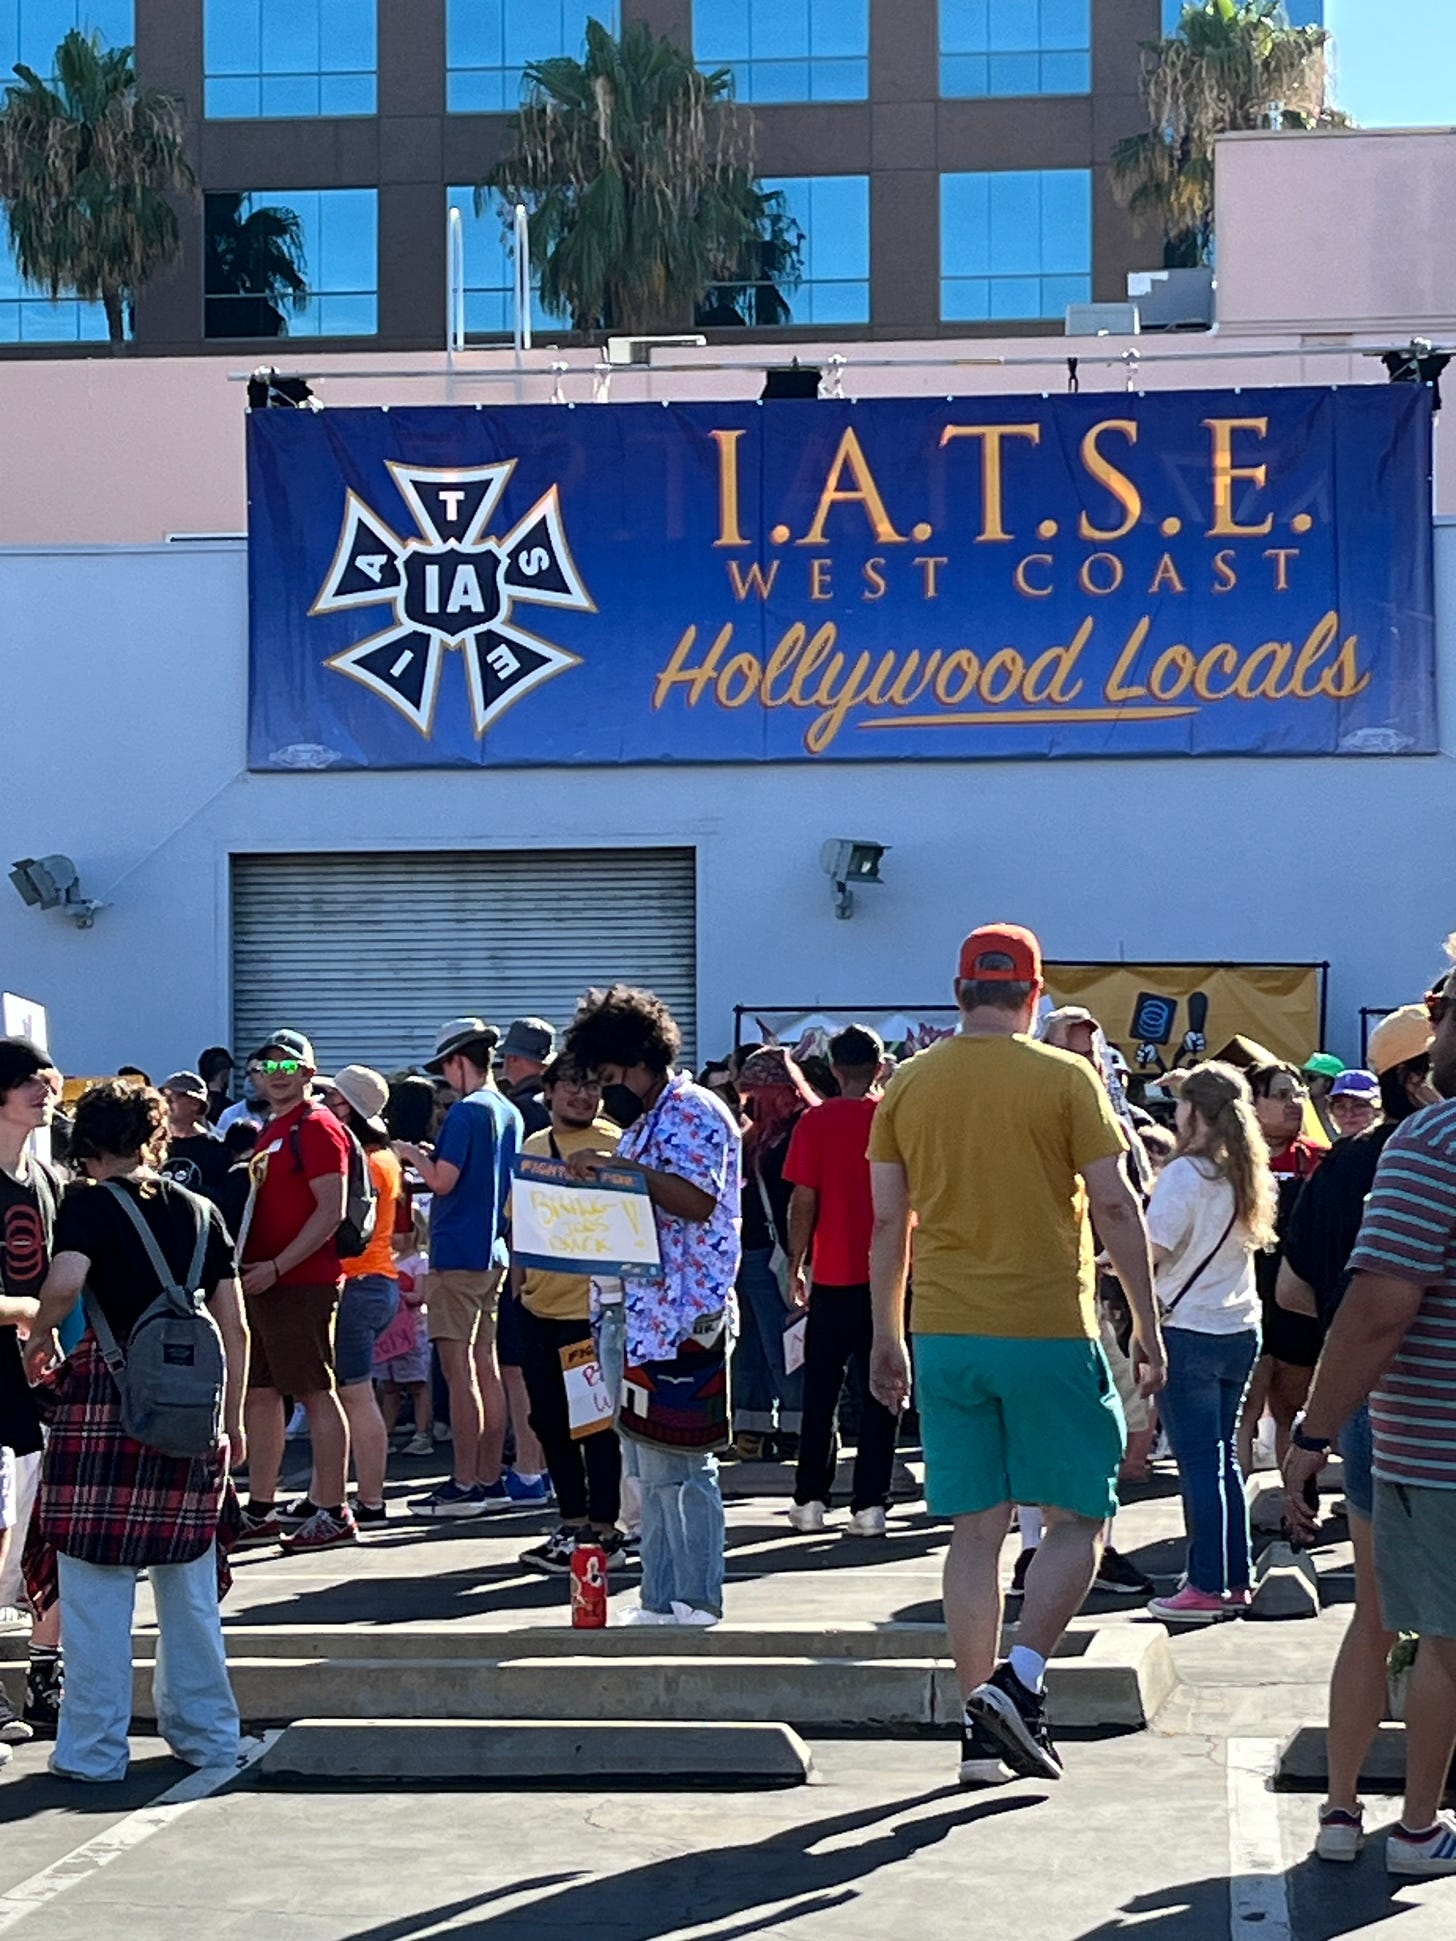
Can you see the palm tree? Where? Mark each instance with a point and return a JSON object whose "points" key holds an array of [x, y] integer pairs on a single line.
{"points": [[1231, 64], [636, 170], [86, 165], [249, 262]]}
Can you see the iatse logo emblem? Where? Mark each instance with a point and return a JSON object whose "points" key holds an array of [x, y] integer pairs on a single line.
{"points": [[452, 584]]}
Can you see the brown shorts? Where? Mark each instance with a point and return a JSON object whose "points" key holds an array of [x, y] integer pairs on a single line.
{"points": [[293, 1339], [461, 1304]]}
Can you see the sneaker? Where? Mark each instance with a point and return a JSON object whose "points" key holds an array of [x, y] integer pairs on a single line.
{"points": [[783, 1447], [440, 1431], [4, 1755], [297, 1423], [1115, 1573], [13, 1729], [369, 1515], [1016, 1719], [554, 1555], [14, 1617], [867, 1523], [419, 1444], [451, 1499], [1018, 1575], [259, 1529], [496, 1495], [689, 1614], [1190, 1606], [1341, 1834], [981, 1760], [640, 1615], [806, 1518], [535, 1490], [294, 1515], [322, 1532], [748, 1448], [45, 1681], [1431, 1852], [621, 1551]]}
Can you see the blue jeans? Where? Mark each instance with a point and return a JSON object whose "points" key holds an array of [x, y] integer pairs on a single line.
{"points": [[1208, 1375], [765, 1395], [683, 1526], [367, 1305], [196, 1712]]}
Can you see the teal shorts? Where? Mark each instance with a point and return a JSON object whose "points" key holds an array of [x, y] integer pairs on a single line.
{"points": [[1017, 1421]]}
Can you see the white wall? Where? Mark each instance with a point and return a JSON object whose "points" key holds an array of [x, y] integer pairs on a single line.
{"points": [[124, 674]]}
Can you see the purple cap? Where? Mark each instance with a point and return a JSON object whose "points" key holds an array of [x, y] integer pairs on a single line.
{"points": [[1364, 1086]]}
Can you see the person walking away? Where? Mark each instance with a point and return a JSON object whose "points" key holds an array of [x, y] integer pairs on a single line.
{"points": [[555, 1323], [831, 1212], [30, 1193], [1000, 1145], [1291, 1342], [1212, 1209], [689, 1151], [111, 1506], [196, 1156], [1394, 1340], [1313, 1277], [291, 1281], [468, 1176], [768, 1405], [357, 1097], [526, 1050], [1354, 1103]]}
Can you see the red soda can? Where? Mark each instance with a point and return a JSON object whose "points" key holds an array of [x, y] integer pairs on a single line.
{"points": [[588, 1587]]}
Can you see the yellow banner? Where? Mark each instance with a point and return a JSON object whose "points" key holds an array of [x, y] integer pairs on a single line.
{"points": [[1160, 1015]]}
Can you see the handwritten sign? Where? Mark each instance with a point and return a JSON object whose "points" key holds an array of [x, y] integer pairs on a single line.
{"points": [[603, 1225]]}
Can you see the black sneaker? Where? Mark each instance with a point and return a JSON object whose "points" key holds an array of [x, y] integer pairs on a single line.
{"points": [[293, 1516], [621, 1551], [554, 1555], [1016, 1719], [981, 1760], [369, 1516], [1018, 1575], [1120, 1576], [44, 1683]]}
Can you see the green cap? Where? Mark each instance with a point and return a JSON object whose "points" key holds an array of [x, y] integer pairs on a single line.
{"points": [[1324, 1064]]}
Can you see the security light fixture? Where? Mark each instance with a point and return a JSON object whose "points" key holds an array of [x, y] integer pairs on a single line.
{"points": [[794, 380], [52, 883], [1418, 362], [848, 863], [268, 391]]}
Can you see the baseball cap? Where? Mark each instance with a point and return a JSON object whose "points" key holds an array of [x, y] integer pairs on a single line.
{"points": [[1400, 1035], [292, 1044], [20, 1059], [459, 1035], [187, 1085], [1323, 1064], [1001, 953], [529, 1038], [1069, 1014], [1357, 1084]]}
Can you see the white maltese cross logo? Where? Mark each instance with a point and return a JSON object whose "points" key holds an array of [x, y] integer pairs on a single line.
{"points": [[452, 585]]}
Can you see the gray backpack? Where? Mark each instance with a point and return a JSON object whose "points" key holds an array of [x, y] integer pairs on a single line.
{"points": [[171, 1377]]}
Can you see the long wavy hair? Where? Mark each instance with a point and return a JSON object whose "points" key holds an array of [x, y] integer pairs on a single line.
{"points": [[1226, 1133]]}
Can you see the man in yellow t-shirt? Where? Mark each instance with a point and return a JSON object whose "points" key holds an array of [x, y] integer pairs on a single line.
{"points": [[999, 1147], [555, 1315]]}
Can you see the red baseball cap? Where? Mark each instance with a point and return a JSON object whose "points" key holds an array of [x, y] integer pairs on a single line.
{"points": [[1001, 953]]}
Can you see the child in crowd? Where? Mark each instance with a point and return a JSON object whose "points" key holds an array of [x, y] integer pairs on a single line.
{"points": [[402, 1359]]}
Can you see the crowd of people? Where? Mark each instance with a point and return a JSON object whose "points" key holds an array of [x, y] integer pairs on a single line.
{"points": [[997, 1234]]}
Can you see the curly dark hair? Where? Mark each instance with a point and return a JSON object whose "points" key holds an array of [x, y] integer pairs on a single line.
{"points": [[117, 1118], [622, 1026]]}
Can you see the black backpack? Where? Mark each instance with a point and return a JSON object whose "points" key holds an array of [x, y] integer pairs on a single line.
{"points": [[354, 1232]]}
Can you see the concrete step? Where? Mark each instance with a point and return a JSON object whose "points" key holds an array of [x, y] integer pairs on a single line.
{"points": [[1304, 1762], [740, 1481], [514, 1750]]}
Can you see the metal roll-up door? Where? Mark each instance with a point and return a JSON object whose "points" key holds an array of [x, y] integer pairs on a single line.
{"points": [[370, 954]]}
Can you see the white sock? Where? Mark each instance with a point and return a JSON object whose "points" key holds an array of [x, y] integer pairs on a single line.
{"points": [[1029, 1666], [1031, 1527], [524, 1476]]}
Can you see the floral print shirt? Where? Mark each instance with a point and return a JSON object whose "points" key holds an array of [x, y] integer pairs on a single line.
{"points": [[688, 1132]]}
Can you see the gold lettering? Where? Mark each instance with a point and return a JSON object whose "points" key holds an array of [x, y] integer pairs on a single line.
{"points": [[697, 680], [728, 532], [1167, 576], [901, 691], [819, 649], [1007, 669], [1223, 565], [874, 579], [1344, 680], [755, 580], [823, 730], [780, 661], [885, 672], [1225, 472], [819, 587], [992, 499], [1024, 585], [1223, 655], [1064, 661], [928, 562], [1260, 674], [865, 493], [1105, 473], [1089, 585], [1281, 556], [1171, 672], [1322, 638], [957, 678], [1117, 688], [744, 668]]}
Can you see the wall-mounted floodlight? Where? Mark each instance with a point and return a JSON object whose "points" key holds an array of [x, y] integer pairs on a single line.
{"points": [[52, 883], [847, 864]]}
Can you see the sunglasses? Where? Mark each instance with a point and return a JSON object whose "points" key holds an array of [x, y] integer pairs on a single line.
{"points": [[275, 1067], [1438, 1002]]}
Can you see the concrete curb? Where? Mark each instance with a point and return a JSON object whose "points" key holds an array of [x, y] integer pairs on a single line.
{"points": [[1304, 1761], [513, 1750]]}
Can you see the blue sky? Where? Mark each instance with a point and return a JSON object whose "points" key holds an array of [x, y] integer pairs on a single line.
{"points": [[1396, 61]]}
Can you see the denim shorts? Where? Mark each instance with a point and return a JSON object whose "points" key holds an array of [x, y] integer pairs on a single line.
{"points": [[366, 1308], [1355, 1447]]}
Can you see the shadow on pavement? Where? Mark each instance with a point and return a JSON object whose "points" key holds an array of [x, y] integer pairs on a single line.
{"points": [[27, 1789], [1325, 1903]]}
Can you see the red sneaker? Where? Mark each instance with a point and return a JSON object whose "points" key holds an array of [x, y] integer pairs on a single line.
{"points": [[1190, 1606], [323, 1532]]}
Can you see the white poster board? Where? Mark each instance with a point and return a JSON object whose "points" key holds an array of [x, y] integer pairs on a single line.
{"points": [[599, 1226]]}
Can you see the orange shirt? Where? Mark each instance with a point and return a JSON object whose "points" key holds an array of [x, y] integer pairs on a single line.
{"points": [[378, 1256]]}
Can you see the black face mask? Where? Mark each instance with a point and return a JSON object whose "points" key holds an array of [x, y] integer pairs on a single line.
{"points": [[621, 1103]]}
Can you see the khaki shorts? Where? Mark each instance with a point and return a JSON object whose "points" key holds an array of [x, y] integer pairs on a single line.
{"points": [[1415, 1538], [1135, 1409], [292, 1331], [461, 1304]]}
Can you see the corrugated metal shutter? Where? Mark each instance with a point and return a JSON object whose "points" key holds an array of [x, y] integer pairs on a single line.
{"points": [[370, 954]]}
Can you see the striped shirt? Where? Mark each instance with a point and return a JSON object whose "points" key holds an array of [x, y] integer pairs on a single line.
{"points": [[1409, 1233]]}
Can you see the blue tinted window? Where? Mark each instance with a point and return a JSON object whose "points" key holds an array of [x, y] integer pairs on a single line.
{"points": [[1015, 47], [1299, 13], [1015, 243], [488, 44], [833, 213], [787, 50], [288, 58], [490, 260], [27, 315], [31, 30], [251, 262]]}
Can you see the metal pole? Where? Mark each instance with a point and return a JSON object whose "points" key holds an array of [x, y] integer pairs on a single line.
{"points": [[454, 293]]}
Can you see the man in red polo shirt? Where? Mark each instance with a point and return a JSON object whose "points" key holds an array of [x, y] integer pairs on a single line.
{"points": [[291, 1285], [829, 1169]]}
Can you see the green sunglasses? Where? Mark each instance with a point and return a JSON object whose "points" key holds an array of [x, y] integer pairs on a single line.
{"points": [[276, 1067]]}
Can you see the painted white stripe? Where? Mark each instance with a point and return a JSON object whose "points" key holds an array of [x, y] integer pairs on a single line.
{"points": [[1258, 1887], [84, 1862]]}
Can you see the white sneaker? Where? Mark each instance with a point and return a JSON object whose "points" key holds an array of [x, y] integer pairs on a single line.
{"points": [[806, 1517], [687, 1614], [639, 1615], [4, 1755], [441, 1431], [1435, 1854], [297, 1423], [1341, 1835], [419, 1444], [867, 1523], [13, 1618]]}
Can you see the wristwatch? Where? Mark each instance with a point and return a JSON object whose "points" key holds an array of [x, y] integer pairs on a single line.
{"points": [[1312, 1445]]}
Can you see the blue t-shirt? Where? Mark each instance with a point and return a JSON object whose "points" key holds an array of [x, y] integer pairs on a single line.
{"points": [[481, 1135]]}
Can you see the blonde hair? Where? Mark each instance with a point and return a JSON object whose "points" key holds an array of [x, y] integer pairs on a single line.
{"points": [[1234, 1146]]}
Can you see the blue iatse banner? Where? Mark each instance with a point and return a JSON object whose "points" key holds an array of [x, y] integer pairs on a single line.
{"points": [[1206, 573]]}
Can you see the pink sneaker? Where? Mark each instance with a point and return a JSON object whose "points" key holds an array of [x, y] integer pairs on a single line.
{"points": [[1190, 1606]]}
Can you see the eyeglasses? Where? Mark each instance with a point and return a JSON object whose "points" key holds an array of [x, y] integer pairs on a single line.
{"points": [[1295, 1095], [274, 1067], [1438, 1001]]}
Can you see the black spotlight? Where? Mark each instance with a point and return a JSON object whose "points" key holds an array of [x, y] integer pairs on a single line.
{"points": [[267, 390], [1418, 363], [794, 380]]}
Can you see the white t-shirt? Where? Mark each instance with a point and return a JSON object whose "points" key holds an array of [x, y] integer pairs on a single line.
{"points": [[1189, 1209]]}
